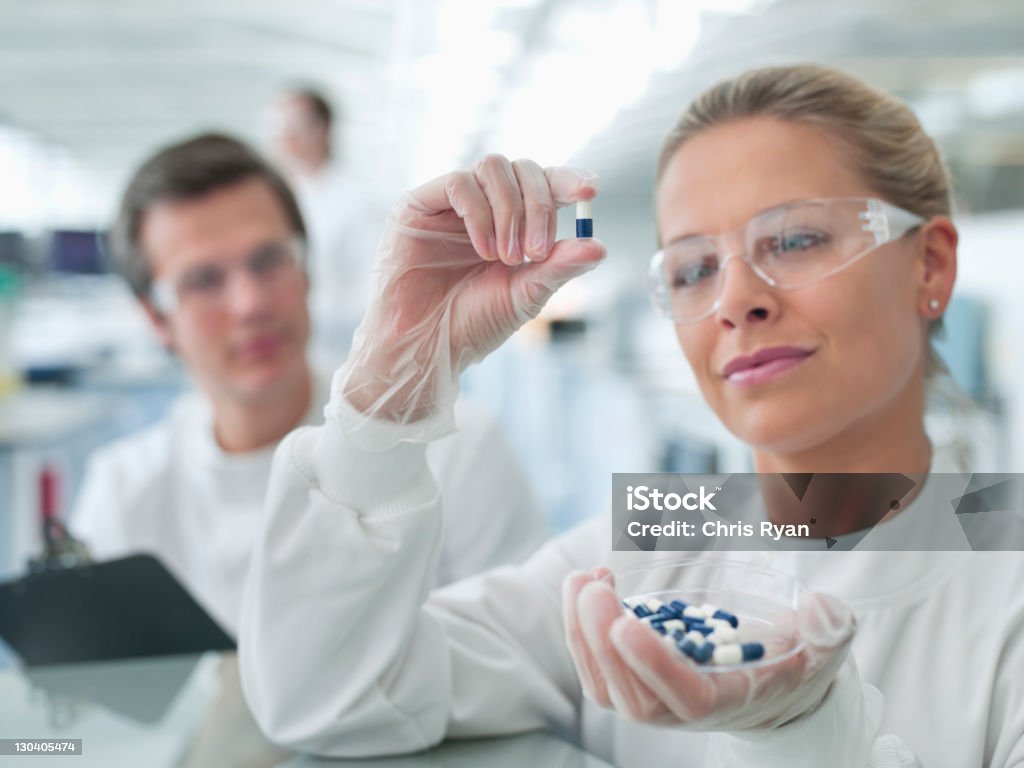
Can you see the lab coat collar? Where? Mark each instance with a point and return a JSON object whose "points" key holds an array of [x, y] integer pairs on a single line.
{"points": [[208, 450]]}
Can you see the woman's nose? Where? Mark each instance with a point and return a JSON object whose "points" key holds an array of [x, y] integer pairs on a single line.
{"points": [[744, 298]]}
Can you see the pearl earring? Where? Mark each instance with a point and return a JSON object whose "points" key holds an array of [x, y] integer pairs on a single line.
{"points": [[933, 304]]}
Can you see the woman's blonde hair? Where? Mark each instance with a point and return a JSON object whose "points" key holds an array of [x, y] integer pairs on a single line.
{"points": [[881, 136]]}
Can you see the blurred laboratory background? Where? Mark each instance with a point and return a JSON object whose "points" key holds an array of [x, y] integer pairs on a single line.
{"points": [[88, 88]]}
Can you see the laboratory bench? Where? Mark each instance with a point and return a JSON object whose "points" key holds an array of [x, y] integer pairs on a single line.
{"points": [[189, 712]]}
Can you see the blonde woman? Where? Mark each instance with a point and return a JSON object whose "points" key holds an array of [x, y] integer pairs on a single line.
{"points": [[807, 255]]}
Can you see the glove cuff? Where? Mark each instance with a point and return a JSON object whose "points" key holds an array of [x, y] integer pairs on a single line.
{"points": [[374, 435], [839, 733]]}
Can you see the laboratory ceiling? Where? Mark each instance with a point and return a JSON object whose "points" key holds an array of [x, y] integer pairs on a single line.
{"points": [[428, 83]]}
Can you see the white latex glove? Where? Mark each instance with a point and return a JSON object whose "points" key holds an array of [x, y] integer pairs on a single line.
{"points": [[625, 665], [452, 284]]}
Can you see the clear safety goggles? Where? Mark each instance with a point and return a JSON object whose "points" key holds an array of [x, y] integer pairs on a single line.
{"points": [[203, 286], [790, 246]]}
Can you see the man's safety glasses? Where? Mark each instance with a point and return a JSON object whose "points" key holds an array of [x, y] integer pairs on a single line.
{"points": [[203, 286]]}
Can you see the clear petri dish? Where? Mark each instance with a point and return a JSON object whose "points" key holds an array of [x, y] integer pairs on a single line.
{"points": [[763, 599]]}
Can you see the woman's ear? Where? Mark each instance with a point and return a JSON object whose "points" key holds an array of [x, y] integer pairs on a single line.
{"points": [[938, 271], [159, 323]]}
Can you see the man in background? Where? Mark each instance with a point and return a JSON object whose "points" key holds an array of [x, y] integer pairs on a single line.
{"points": [[343, 224], [212, 242]]}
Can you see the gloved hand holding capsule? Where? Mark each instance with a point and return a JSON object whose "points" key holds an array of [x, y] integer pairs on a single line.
{"points": [[464, 261]]}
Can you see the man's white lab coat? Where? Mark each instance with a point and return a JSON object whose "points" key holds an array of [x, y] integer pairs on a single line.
{"points": [[172, 491]]}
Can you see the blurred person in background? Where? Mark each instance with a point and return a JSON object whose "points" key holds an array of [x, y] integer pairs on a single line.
{"points": [[211, 241], [342, 224]]}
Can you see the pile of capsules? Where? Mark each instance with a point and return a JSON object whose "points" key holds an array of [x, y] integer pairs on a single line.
{"points": [[706, 634]]}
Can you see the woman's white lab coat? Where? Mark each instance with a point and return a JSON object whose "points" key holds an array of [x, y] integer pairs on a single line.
{"points": [[346, 652]]}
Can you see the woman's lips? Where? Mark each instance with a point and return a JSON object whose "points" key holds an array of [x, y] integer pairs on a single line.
{"points": [[764, 365]]}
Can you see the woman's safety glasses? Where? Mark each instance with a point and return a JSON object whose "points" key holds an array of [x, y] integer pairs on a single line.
{"points": [[790, 246]]}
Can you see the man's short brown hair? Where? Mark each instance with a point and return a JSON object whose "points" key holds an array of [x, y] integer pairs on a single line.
{"points": [[185, 171]]}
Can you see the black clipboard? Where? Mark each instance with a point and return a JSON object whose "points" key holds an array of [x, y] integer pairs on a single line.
{"points": [[127, 608]]}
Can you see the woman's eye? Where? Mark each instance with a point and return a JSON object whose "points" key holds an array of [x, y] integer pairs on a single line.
{"points": [[794, 242], [690, 274]]}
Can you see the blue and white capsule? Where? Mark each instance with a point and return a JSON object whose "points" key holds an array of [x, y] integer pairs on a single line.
{"points": [[717, 624], [700, 626], [695, 637], [721, 615], [584, 219], [673, 625], [736, 653], [724, 636], [709, 611], [687, 646], [641, 611], [703, 653], [656, 623]]}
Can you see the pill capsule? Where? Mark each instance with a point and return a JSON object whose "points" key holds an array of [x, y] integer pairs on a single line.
{"points": [[666, 613], [718, 623], [677, 636], [735, 653], [678, 606], [655, 623], [704, 652], [693, 612], [752, 651], [726, 655], [584, 219], [698, 626], [696, 637], [726, 616], [642, 611], [723, 636], [689, 647], [708, 610], [673, 625], [653, 604]]}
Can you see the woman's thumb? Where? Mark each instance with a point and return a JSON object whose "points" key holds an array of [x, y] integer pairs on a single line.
{"points": [[533, 284]]}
